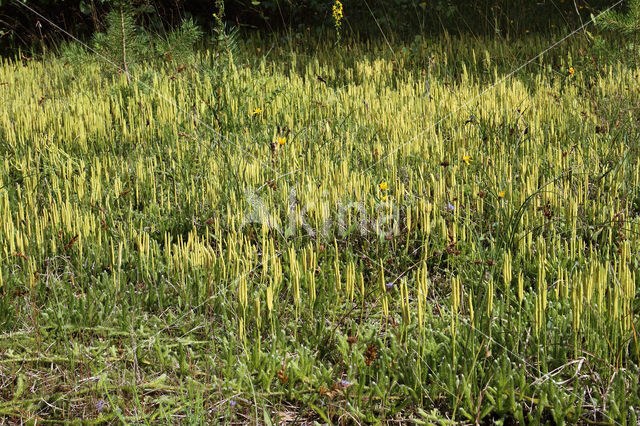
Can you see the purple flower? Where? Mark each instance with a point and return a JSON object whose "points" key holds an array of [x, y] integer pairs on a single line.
{"points": [[344, 384], [232, 403], [100, 405], [450, 207], [389, 285]]}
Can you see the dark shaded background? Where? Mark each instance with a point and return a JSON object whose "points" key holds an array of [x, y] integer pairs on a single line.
{"points": [[19, 27]]}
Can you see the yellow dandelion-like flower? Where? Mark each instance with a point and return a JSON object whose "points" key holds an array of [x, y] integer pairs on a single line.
{"points": [[383, 185], [282, 141], [571, 71], [466, 159], [501, 194], [384, 198], [256, 111]]}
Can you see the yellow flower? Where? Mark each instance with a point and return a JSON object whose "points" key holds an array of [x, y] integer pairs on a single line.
{"points": [[383, 185], [337, 10], [502, 193], [282, 141], [384, 198], [337, 17], [571, 71], [423, 4], [256, 111], [467, 159]]}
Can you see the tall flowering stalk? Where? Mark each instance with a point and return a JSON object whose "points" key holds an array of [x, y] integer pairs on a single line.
{"points": [[337, 18]]}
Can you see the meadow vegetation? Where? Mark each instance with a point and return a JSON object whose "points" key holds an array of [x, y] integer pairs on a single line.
{"points": [[293, 230]]}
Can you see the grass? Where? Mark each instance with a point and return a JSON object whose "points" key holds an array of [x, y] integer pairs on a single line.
{"points": [[355, 234]]}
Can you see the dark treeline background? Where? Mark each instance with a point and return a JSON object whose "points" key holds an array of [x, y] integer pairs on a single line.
{"points": [[21, 28]]}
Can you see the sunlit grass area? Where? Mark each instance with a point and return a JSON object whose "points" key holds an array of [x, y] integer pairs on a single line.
{"points": [[302, 232]]}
